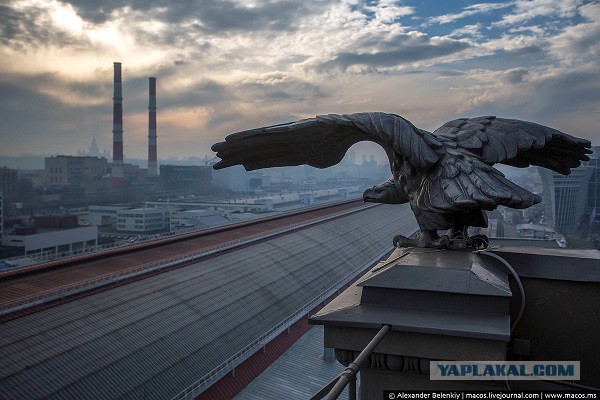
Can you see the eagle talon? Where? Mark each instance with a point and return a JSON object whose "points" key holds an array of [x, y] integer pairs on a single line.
{"points": [[403, 241], [442, 243], [480, 241]]}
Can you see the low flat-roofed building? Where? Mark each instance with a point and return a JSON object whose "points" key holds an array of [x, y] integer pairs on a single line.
{"points": [[54, 240], [104, 215], [200, 219], [535, 231], [142, 219]]}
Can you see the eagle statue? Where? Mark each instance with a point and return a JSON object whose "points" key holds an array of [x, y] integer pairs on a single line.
{"points": [[447, 176]]}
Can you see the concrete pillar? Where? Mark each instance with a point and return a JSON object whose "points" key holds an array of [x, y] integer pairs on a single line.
{"points": [[448, 305]]}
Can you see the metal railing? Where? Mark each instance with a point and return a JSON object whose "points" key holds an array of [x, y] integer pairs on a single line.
{"points": [[334, 388], [229, 365], [102, 280]]}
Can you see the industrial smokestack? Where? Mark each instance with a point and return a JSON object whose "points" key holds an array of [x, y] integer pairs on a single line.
{"points": [[152, 172], [117, 167]]}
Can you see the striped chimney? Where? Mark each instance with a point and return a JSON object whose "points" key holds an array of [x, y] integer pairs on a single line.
{"points": [[117, 167], [152, 129]]}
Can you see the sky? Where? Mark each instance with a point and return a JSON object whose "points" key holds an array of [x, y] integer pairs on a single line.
{"points": [[229, 65]]}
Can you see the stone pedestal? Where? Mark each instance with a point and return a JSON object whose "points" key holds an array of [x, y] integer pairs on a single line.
{"points": [[441, 305]]}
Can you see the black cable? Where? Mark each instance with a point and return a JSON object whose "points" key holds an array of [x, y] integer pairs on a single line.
{"points": [[519, 283]]}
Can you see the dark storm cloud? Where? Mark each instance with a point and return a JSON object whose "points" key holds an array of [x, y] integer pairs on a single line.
{"points": [[450, 73], [570, 91], [552, 98], [135, 94], [215, 120], [214, 15], [515, 75], [219, 119], [20, 28], [200, 94], [402, 49], [217, 15], [87, 89], [39, 122], [291, 90], [526, 51], [99, 11]]}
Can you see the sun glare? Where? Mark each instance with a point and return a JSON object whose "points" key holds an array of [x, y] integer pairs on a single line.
{"points": [[65, 16]]}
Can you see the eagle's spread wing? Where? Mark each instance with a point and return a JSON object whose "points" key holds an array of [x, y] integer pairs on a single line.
{"points": [[462, 180], [516, 143], [464, 177], [323, 141]]}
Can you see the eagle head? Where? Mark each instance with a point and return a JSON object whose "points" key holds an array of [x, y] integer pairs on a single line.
{"points": [[386, 192]]}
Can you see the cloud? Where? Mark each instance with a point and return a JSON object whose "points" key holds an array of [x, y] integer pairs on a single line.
{"points": [[526, 10], [468, 11], [277, 87], [211, 16], [233, 65], [401, 49], [32, 25], [549, 96], [578, 90], [450, 73], [388, 11], [515, 75], [38, 122], [473, 31], [516, 44], [580, 41]]}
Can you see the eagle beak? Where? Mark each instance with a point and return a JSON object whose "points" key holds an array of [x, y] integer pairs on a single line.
{"points": [[386, 193], [372, 195]]}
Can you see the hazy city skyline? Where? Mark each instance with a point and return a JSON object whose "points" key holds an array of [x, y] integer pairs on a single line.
{"points": [[231, 65]]}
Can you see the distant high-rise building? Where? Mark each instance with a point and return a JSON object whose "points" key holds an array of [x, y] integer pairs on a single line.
{"points": [[1, 215], [593, 200], [352, 157], [185, 178], [73, 171], [8, 182], [565, 197], [94, 150]]}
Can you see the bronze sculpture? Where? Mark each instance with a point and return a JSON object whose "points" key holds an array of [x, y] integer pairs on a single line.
{"points": [[446, 176]]}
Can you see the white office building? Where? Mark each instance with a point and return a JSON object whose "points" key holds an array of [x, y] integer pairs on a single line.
{"points": [[142, 220], [104, 215]]}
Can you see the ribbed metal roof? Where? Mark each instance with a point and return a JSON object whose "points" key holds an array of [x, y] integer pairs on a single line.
{"points": [[298, 374], [152, 338]]}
